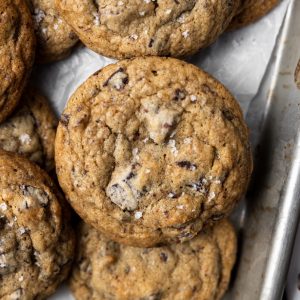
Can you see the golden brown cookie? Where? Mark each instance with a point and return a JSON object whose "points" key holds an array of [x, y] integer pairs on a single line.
{"points": [[252, 12], [196, 270], [17, 47], [148, 150], [31, 130], [129, 28], [36, 241], [54, 36]]}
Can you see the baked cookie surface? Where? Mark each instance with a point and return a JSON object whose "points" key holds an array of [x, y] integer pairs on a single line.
{"points": [[129, 28], [36, 242], [17, 48], [148, 150], [251, 12], [31, 130], [55, 38], [196, 270]]}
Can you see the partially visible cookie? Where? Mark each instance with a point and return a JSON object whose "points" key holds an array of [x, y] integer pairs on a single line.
{"points": [[17, 48], [196, 270], [55, 38], [149, 150], [36, 240], [123, 29], [252, 12], [31, 130]]}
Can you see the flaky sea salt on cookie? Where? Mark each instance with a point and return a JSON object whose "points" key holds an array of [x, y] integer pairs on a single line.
{"points": [[129, 28], [36, 241], [149, 150], [196, 270]]}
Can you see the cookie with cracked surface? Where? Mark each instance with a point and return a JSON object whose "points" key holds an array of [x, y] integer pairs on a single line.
{"points": [[124, 29], [150, 149], [198, 269], [36, 241], [55, 38], [252, 12], [31, 130], [17, 48]]}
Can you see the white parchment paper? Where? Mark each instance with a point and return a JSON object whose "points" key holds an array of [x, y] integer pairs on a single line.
{"points": [[238, 59]]}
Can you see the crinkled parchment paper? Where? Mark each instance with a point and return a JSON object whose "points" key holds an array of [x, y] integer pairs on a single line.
{"points": [[238, 59]]}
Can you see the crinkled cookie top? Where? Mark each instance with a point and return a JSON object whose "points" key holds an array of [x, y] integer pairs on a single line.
{"points": [[129, 28], [36, 242], [17, 47], [149, 150], [196, 270]]}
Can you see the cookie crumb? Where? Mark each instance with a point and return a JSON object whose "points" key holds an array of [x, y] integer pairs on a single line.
{"points": [[180, 206]]}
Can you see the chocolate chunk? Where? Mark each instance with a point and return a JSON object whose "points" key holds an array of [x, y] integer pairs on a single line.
{"points": [[186, 165], [118, 79], [217, 217]]}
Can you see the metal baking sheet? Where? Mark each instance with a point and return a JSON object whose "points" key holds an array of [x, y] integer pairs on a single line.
{"points": [[262, 81]]}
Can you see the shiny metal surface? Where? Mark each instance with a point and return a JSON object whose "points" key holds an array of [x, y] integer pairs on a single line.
{"points": [[273, 200]]}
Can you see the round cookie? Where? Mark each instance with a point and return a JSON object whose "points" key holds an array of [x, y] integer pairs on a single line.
{"points": [[150, 149], [199, 269], [31, 130], [129, 28], [252, 12], [17, 47], [54, 36], [36, 242]]}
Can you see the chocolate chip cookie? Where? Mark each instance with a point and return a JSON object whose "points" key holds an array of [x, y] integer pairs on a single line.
{"points": [[36, 241], [129, 28], [150, 149], [54, 36], [31, 130], [17, 47], [198, 269], [251, 12]]}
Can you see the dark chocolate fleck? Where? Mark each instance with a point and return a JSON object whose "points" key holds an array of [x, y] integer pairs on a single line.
{"points": [[151, 43], [64, 119], [163, 256], [228, 115], [130, 175]]}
